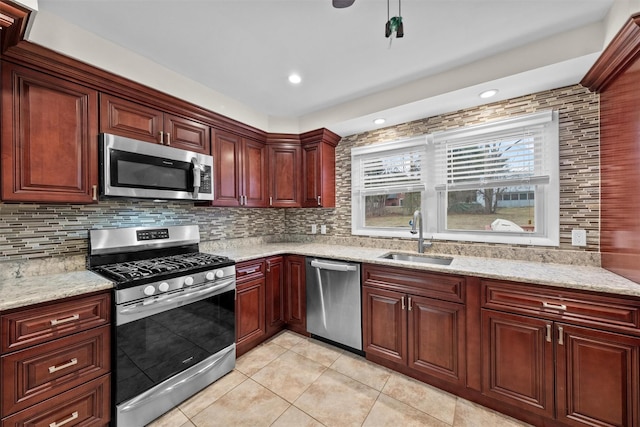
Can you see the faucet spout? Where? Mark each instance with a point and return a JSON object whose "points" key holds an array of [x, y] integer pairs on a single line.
{"points": [[417, 217]]}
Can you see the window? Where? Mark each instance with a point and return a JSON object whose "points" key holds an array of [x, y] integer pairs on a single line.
{"points": [[387, 186], [496, 182]]}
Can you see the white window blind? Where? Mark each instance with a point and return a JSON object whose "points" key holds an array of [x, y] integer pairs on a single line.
{"points": [[389, 171]]}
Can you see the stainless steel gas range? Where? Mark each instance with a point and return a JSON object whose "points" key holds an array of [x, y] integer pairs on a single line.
{"points": [[174, 316]]}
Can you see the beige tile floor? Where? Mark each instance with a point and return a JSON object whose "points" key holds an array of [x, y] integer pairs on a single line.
{"points": [[293, 381]]}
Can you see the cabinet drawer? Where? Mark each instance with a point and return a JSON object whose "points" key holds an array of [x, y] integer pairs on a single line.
{"points": [[439, 286], [249, 270], [38, 325], [86, 405], [563, 305], [37, 373]]}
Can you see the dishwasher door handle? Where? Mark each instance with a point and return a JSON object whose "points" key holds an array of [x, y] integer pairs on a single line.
{"points": [[335, 266]]}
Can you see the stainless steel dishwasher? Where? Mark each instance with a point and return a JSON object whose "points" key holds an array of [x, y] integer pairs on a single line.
{"points": [[334, 301]]}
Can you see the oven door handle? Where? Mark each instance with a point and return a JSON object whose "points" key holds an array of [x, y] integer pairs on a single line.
{"points": [[138, 311]]}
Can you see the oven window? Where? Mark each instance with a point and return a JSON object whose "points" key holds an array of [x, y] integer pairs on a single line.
{"points": [[152, 349]]}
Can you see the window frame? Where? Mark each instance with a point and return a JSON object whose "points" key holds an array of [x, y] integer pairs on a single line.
{"points": [[433, 201]]}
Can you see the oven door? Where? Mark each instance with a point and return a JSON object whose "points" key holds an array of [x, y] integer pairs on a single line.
{"points": [[136, 169], [168, 348]]}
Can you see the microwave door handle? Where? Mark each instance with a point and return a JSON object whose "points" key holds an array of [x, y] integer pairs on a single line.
{"points": [[196, 177]]}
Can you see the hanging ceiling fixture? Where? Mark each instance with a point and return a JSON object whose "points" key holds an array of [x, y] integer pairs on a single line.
{"points": [[394, 24], [341, 4]]}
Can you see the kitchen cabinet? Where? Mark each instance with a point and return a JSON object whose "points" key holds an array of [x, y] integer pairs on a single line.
{"points": [[543, 352], [49, 146], [405, 321], [275, 294], [285, 164], [240, 170], [56, 362], [295, 313], [132, 120], [250, 305], [319, 168]]}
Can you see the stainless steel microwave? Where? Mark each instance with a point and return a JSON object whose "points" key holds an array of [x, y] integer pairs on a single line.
{"points": [[143, 170]]}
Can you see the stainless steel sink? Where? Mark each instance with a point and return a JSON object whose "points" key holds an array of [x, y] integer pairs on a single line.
{"points": [[426, 259]]}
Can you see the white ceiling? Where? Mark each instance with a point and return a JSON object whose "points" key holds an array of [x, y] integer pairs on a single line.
{"points": [[452, 49]]}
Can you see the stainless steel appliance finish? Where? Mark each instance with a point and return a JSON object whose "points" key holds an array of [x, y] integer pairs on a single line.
{"points": [[334, 301], [137, 169], [174, 317]]}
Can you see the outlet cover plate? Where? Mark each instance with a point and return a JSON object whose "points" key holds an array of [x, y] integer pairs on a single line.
{"points": [[578, 237]]}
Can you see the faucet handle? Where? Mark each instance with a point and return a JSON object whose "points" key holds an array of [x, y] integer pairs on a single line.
{"points": [[411, 222]]}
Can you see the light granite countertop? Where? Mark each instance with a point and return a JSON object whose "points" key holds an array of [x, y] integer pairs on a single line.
{"points": [[19, 291]]}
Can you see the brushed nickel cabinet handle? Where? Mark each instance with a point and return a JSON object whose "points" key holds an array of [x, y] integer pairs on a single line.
{"points": [[268, 266], [403, 306], [252, 271], [94, 192], [54, 368], [560, 335], [410, 303], [554, 306], [548, 333], [168, 138], [55, 322], [73, 416], [319, 198], [161, 137], [270, 201]]}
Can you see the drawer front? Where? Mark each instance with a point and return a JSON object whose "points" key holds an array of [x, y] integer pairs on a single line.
{"points": [[86, 405], [32, 375], [33, 326], [430, 285], [562, 305], [249, 270]]}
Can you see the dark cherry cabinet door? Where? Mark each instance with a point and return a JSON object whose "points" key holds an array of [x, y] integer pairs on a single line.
{"points": [[319, 178], [295, 294], [227, 149], [597, 377], [275, 294], [49, 138], [436, 338], [186, 134], [517, 353], [384, 324], [285, 165], [255, 176], [129, 119], [250, 316]]}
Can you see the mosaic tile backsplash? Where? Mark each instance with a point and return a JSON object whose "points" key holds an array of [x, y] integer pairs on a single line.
{"points": [[30, 231]]}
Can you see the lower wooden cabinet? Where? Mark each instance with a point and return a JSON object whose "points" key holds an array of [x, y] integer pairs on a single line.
{"points": [[56, 363], [250, 305], [295, 314], [275, 300], [402, 326]]}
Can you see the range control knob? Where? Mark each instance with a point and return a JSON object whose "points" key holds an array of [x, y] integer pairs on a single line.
{"points": [[164, 287], [188, 281], [149, 290], [219, 274], [210, 275]]}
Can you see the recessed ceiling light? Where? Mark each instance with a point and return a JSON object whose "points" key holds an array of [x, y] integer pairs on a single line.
{"points": [[295, 78], [488, 93], [379, 121]]}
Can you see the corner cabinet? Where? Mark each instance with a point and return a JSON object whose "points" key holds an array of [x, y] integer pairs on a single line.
{"points": [[49, 138], [415, 320], [319, 168], [560, 354], [285, 167], [56, 363], [132, 120], [295, 312]]}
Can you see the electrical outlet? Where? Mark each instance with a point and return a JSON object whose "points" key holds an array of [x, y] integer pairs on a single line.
{"points": [[323, 229], [314, 229], [578, 237]]}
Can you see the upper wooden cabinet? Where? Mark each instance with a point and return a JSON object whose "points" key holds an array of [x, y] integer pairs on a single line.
{"points": [[285, 167], [49, 138], [121, 117], [319, 168], [240, 170]]}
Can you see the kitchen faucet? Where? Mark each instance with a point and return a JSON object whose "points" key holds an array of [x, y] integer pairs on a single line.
{"points": [[417, 216]]}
